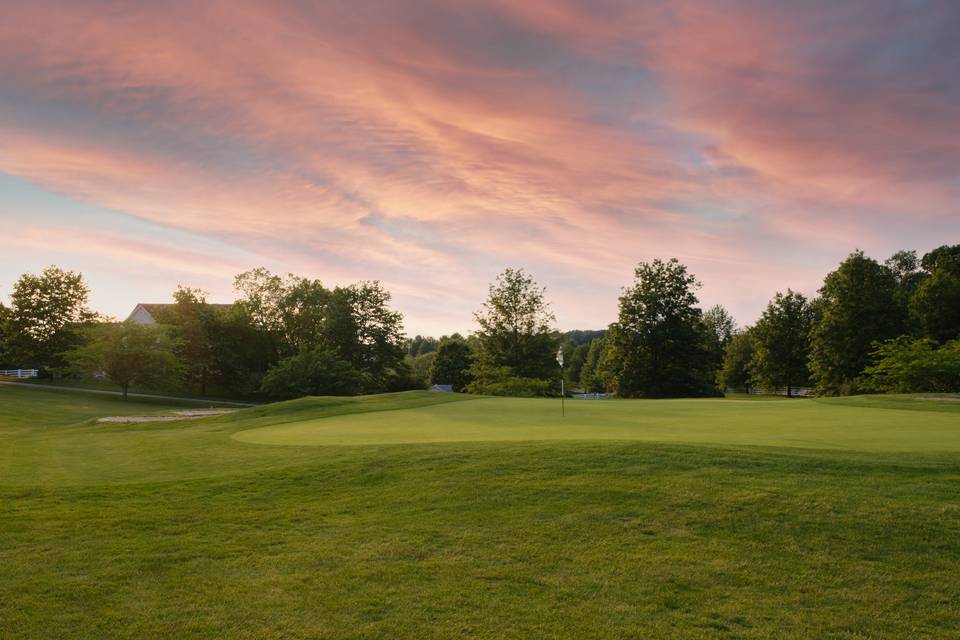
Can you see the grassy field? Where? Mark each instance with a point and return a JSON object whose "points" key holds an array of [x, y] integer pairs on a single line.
{"points": [[440, 516]]}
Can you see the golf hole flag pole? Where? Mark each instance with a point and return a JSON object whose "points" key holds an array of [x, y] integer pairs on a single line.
{"points": [[560, 362]]}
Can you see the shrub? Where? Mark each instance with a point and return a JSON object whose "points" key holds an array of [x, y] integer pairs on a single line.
{"points": [[500, 381], [907, 366], [314, 372]]}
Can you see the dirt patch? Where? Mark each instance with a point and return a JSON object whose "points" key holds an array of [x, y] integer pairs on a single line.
{"points": [[177, 415]]}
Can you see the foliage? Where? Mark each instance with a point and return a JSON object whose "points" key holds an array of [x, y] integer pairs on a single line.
{"points": [[588, 373], [47, 311], [736, 371], [935, 303], [6, 331], [857, 307], [375, 346], [420, 345], [128, 354], [452, 364], [905, 267], [198, 326], [943, 258], [314, 372], [291, 311], [516, 332], [583, 336], [720, 329], [659, 345], [781, 340], [420, 367], [503, 381], [243, 353], [354, 322], [906, 365], [575, 358]]}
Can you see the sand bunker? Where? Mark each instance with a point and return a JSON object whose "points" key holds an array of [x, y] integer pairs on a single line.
{"points": [[177, 415]]}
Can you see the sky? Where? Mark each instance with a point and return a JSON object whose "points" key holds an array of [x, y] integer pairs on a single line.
{"points": [[431, 144]]}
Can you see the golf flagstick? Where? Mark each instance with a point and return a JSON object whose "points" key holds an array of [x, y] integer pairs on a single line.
{"points": [[562, 394]]}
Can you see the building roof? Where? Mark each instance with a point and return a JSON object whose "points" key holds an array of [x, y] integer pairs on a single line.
{"points": [[159, 312]]}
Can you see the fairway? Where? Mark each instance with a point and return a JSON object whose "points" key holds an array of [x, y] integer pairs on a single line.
{"points": [[445, 516]]}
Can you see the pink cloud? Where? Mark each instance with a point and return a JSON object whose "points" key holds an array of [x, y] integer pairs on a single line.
{"points": [[430, 146]]}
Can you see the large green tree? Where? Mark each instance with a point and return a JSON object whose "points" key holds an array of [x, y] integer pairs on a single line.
{"points": [[354, 322], [47, 312], [291, 311], [720, 329], [905, 267], [367, 333], [935, 303], [736, 372], [452, 364], [781, 340], [516, 329], [659, 344], [592, 378], [857, 307], [128, 354], [198, 324]]}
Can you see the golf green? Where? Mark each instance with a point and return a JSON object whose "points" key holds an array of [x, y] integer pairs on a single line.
{"points": [[791, 423]]}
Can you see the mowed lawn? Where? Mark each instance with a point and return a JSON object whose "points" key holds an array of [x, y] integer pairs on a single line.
{"points": [[440, 516]]}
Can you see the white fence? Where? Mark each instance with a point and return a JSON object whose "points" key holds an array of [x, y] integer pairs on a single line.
{"points": [[18, 373], [592, 396]]}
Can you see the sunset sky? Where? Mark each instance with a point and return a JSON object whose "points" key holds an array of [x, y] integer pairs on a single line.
{"points": [[431, 144]]}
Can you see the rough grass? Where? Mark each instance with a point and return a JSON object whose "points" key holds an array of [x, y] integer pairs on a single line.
{"points": [[183, 530]]}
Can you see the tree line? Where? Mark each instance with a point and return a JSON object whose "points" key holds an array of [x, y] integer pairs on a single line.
{"points": [[886, 327], [873, 327], [285, 336]]}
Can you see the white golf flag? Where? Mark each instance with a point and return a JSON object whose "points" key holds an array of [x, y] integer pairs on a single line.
{"points": [[560, 356]]}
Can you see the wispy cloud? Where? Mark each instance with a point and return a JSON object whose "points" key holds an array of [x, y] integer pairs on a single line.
{"points": [[430, 144]]}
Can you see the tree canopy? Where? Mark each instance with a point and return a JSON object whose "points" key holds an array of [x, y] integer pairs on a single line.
{"points": [[857, 307], [452, 363], [935, 300], [736, 371], [128, 354], [45, 314], [781, 342], [516, 330], [659, 344]]}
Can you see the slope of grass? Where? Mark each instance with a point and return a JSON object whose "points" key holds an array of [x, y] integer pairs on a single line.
{"points": [[31, 407], [182, 530]]}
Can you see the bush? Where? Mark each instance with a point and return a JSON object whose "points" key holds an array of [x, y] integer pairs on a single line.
{"points": [[517, 387], [909, 366], [315, 372], [500, 381]]}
